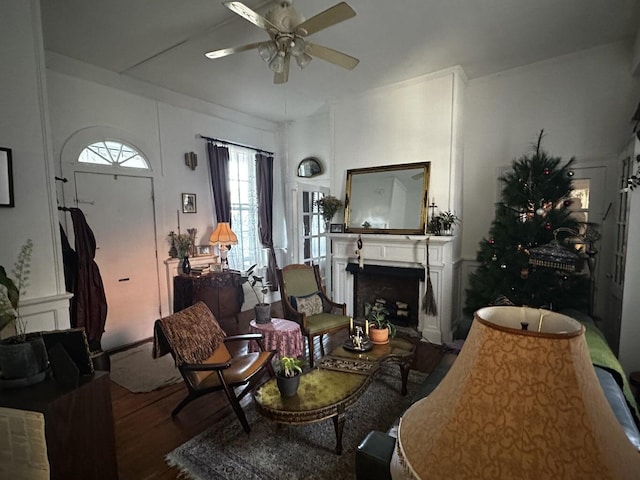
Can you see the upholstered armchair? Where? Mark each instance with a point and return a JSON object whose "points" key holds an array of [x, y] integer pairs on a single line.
{"points": [[305, 302], [198, 345]]}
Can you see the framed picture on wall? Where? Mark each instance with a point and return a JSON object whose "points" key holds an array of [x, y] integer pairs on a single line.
{"points": [[204, 249], [6, 178], [189, 203], [336, 228]]}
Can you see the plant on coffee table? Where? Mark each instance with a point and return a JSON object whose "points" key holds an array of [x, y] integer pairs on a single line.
{"points": [[288, 370], [380, 328]]}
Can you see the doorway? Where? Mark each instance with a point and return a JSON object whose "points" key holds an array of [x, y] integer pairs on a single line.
{"points": [[120, 211]]}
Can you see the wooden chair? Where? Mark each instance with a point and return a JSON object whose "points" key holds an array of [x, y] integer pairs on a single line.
{"points": [[198, 345], [305, 302]]}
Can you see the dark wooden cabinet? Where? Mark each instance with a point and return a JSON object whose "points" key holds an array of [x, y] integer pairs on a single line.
{"points": [[78, 425], [221, 291]]}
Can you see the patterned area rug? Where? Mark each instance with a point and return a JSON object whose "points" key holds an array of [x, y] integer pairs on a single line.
{"points": [[273, 452], [136, 370]]}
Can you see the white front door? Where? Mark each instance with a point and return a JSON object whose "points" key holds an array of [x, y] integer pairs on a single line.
{"points": [[120, 211]]}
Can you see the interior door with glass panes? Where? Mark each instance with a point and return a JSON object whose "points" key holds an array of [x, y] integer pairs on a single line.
{"points": [[313, 241]]}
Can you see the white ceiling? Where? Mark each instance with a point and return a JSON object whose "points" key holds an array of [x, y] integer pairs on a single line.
{"points": [[163, 42]]}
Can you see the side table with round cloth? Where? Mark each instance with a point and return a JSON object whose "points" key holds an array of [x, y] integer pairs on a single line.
{"points": [[281, 335]]}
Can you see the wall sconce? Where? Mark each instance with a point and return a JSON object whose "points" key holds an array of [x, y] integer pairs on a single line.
{"points": [[191, 160]]}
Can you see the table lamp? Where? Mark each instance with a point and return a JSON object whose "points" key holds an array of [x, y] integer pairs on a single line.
{"points": [[223, 237], [521, 401]]}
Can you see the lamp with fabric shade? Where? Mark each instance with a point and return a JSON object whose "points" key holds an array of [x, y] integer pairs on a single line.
{"points": [[223, 237], [516, 404]]}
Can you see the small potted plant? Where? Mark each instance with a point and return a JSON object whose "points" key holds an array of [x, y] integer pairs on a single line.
{"points": [[23, 357], [380, 328], [329, 206], [288, 370], [444, 222], [260, 288]]}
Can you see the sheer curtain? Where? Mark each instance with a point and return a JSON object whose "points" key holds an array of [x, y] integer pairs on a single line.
{"points": [[264, 179]]}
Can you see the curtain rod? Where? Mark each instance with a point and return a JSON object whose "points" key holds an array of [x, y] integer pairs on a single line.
{"points": [[226, 142]]}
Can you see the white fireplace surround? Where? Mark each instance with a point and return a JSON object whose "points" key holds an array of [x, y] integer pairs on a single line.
{"points": [[407, 251]]}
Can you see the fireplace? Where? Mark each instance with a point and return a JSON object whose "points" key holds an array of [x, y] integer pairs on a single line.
{"points": [[397, 287], [396, 259]]}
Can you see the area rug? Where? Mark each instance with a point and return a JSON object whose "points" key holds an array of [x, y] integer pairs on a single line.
{"points": [[136, 370], [272, 452]]}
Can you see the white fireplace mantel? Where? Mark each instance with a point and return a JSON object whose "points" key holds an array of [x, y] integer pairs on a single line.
{"points": [[407, 251]]}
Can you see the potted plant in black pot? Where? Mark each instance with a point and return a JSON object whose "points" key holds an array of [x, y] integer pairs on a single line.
{"points": [[288, 371], [262, 309], [23, 357]]}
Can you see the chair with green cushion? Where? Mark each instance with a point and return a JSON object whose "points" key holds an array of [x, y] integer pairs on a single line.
{"points": [[305, 302]]}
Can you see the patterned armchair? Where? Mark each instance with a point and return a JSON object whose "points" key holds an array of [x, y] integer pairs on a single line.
{"points": [[305, 302], [198, 345]]}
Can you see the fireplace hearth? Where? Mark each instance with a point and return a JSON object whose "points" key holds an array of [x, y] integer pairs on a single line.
{"points": [[397, 287]]}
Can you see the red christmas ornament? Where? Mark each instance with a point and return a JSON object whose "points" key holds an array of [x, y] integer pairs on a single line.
{"points": [[546, 171], [547, 226], [567, 203], [491, 241]]}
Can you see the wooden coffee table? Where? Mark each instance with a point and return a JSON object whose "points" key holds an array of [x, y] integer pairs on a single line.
{"points": [[398, 351], [331, 388], [322, 394]]}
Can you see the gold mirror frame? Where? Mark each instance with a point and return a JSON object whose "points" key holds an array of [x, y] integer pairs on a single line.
{"points": [[379, 195]]}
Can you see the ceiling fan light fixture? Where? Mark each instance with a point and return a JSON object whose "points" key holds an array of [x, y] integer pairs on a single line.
{"points": [[298, 46], [277, 63], [303, 60], [267, 51]]}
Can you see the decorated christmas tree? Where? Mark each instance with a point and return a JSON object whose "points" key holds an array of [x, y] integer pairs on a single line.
{"points": [[527, 259]]}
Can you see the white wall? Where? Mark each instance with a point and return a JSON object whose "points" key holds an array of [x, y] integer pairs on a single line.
{"points": [[24, 129], [584, 103], [404, 123], [164, 127]]}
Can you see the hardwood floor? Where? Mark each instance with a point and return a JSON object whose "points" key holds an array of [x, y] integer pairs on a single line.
{"points": [[145, 431]]}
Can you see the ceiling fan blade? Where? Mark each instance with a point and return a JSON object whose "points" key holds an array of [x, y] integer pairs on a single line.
{"points": [[248, 14], [333, 56], [228, 51], [336, 14], [279, 78]]}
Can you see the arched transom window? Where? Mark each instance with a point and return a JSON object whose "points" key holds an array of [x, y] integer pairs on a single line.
{"points": [[113, 153]]}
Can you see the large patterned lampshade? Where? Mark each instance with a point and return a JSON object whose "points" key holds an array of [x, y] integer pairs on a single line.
{"points": [[516, 404]]}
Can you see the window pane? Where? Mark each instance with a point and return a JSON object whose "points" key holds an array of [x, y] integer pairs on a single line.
{"points": [[112, 153], [244, 209]]}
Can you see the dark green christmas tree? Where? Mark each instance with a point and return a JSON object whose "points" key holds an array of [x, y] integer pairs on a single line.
{"points": [[535, 202]]}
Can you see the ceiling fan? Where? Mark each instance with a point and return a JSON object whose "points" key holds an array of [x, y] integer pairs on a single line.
{"points": [[288, 31]]}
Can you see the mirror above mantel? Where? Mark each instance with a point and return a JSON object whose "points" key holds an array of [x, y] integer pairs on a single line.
{"points": [[388, 199]]}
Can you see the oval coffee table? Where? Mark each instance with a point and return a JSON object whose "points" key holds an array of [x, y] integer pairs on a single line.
{"points": [[322, 394]]}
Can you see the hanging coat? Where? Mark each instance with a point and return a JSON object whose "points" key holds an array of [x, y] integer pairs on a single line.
{"points": [[90, 299]]}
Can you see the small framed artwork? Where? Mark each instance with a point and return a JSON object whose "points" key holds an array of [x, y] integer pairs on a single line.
{"points": [[6, 178], [189, 203], [336, 228], [204, 249]]}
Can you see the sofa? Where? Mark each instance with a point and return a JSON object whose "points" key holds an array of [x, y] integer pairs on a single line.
{"points": [[373, 454]]}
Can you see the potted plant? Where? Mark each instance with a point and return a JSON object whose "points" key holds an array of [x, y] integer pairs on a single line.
{"points": [[23, 357], [288, 370], [181, 244], [380, 328], [443, 223], [329, 206], [260, 288]]}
